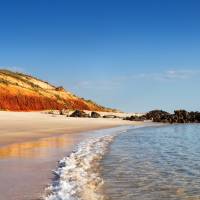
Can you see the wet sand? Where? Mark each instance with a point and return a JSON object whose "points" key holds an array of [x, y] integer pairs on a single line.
{"points": [[32, 143]]}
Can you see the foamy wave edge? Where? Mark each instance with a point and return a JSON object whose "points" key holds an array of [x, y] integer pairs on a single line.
{"points": [[77, 176]]}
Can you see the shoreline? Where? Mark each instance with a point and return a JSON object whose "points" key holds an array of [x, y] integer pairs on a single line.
{"points": [[32, 141], [75, 175]]}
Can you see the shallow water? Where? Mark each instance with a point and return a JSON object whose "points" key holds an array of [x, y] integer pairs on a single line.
{"points": [[154, 163], [77, 176]]}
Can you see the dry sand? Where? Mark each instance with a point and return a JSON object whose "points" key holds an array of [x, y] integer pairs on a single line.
{"points": [[30, 145], [25, 126]]}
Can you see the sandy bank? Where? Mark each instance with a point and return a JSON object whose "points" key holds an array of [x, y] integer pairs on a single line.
{"points": [[24, 126]]}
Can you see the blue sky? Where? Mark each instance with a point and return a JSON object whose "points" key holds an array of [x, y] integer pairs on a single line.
{"points": [[132, 55]]}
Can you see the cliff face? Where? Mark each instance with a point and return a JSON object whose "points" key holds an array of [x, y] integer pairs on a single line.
{"points": [[21, 92]]}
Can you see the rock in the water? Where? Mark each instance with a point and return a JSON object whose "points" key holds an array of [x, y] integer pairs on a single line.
{"points": [[95, 115], [79, 113]]}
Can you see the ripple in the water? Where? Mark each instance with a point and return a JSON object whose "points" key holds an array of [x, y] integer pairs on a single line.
{"points": [[153, 164]]}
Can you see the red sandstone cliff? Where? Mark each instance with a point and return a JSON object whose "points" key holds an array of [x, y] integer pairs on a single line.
{"points": [[20, 92]]}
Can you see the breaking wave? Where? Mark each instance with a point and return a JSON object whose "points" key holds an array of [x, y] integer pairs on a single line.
{"points": [[77, 176]]}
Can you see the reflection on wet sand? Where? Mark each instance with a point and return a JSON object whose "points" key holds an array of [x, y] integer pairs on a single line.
{"points": [[36, 149], [31, 162]]}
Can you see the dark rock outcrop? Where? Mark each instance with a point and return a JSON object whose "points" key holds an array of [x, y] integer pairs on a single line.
{"points": [[79, 113], [135, 118], [156, 115], [109, 116], [95, 115], [179, 116]]}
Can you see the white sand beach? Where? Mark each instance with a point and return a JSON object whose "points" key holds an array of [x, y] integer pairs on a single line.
{"points": [[31, 143], [25, 126]]}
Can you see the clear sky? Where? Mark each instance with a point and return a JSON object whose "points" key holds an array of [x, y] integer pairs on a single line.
{"points": [[132, 55]]}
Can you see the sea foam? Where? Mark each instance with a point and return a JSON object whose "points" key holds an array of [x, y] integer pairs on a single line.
{"points": [[77, 176]]}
